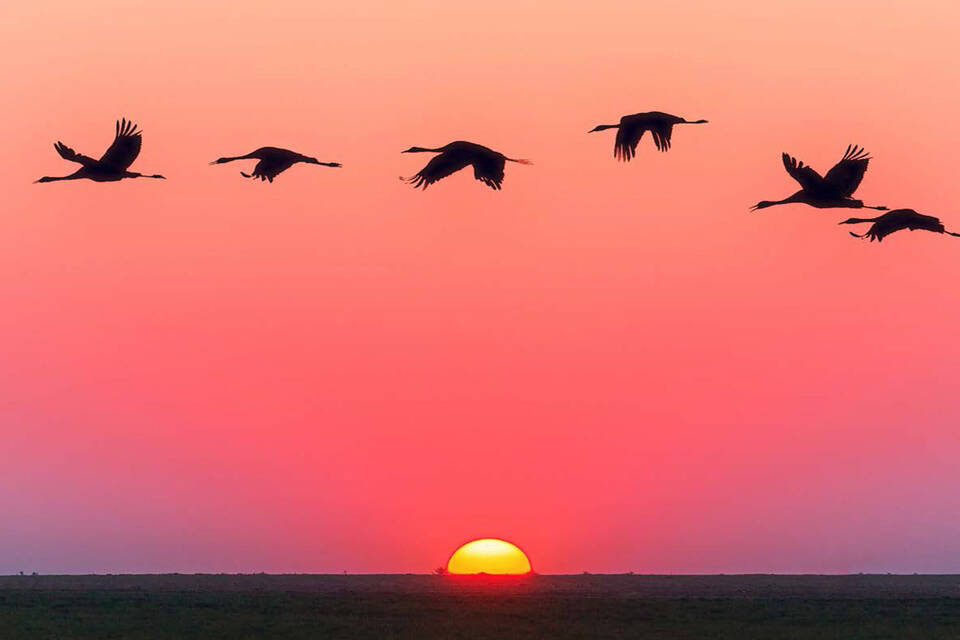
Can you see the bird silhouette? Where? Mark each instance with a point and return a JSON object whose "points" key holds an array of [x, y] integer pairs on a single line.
{"points": [[273, 161], [830, 191], [487, 164], [113, 165], [632, 128], [898, 220]]}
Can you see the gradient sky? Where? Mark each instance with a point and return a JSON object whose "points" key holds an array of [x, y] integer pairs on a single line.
{"points": [[616, 366]]}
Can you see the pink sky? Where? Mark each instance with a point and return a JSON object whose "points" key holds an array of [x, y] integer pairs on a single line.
{"points": [[616, 366]]}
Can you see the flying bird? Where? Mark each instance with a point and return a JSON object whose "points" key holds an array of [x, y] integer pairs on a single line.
{"points": [[113, 165], [632, 128], [273, 161], [487, 164], [898, 220], [830, 191]]}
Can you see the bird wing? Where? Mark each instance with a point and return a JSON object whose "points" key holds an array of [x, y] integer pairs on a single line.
{"points": [[912, 220], [69, 154], [270, 168], [808, 178], [662, 131], [629, 134], [125, 147], [847, 174], [876, 232], [488, 169], [628, 137], [439, 167]]}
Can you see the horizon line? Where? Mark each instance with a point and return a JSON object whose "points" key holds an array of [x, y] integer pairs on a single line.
{"points": [[486, 575]]}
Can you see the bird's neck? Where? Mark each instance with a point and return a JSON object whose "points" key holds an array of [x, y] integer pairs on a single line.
{"points": [[232, 158], [799, 196]]}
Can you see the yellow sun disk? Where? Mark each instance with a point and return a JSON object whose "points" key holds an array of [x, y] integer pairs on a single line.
{"points": [[488, 555]]}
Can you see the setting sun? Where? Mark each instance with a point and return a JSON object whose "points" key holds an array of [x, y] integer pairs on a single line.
{"points": [[490, 556]]}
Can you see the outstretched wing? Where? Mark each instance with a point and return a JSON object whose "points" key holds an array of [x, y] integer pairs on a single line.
{"points": [[628, 137], [847, 174], [125, 147], [270, 167], [809, 179], [488, 169], [69, 154], [910, 219], [662, 131], [438, 168]]}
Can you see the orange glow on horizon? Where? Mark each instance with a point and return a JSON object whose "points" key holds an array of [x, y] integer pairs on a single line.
{"points": [[490, 556]]}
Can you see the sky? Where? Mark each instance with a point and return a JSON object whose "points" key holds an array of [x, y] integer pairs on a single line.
{"points": [[617, 366]]}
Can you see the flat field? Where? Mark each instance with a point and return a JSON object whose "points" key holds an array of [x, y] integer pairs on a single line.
{"points": [[175, 607]]}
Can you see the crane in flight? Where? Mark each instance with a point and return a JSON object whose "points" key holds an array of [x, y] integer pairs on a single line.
{"points": [[488, 165], [273, 161], [898, 220], [631, 128], [834, 190], [113, 165]]}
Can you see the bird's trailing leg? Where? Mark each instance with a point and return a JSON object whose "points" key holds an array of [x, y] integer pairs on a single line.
{"points": [[131, 174]]}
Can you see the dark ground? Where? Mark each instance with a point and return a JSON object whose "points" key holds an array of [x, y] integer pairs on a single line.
{"points": [[424, 607]]}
